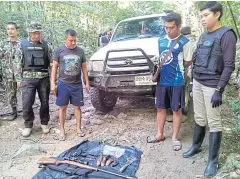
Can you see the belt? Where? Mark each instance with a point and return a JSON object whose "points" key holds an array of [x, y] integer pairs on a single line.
{"points": [[34, 70]]}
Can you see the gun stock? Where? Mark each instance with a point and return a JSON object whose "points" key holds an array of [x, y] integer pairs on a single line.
{"points": [[47, 161]]}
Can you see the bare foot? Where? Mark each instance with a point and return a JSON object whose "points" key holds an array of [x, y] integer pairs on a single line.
{"points": [[80, 133], [60, 137], [155, 139], [177, 145]]}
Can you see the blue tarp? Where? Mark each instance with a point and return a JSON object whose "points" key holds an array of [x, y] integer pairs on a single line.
{"points": [[89, 151]]}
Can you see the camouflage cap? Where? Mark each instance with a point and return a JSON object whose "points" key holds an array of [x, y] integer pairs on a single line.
{"points": [[34, 26]]}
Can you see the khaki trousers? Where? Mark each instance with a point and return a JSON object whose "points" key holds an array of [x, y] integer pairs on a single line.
{"points": [[203, 111]]}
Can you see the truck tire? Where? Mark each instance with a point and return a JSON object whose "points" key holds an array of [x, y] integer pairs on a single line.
{"points": [[101, 100]]}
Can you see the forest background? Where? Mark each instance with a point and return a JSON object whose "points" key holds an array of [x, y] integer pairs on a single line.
{"points": [[91, 18]]}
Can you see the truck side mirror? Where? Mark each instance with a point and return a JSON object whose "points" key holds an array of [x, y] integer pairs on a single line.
{"points": [[186, 30]]}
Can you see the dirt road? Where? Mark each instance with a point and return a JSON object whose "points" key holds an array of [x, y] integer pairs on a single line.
{"points": [[129, 123]]}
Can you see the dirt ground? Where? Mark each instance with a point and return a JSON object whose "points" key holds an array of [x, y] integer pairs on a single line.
{"points": [[129, 123]]}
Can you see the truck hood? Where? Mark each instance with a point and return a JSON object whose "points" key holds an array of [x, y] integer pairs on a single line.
{"points": [[148, 45]]}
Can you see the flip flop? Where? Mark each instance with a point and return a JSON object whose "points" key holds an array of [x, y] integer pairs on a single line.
{"points": [[60, 138], [155, 140], [176, 143], [80, 134]]}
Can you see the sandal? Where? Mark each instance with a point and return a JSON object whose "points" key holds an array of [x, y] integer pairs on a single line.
{"points": [[60, 138], [176, 143], [155, 140], [80, 134]]}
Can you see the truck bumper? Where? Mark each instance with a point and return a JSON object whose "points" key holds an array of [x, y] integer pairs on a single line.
{"points": [[123, 84]]}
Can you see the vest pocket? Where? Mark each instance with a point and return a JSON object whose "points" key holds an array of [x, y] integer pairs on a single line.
{"points": [[36, 59], [217, 63], [203, 54]]}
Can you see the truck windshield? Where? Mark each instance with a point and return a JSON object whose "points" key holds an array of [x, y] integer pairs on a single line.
{"points": [[141, 28]]}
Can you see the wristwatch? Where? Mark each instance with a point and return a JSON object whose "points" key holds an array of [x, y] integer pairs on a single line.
{"points": [[220, 89]]}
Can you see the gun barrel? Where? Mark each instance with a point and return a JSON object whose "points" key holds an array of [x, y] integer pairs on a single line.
{"points": [[45, 160], [116, 174]]}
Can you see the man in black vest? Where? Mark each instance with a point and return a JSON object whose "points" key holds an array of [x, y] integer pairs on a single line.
{"points": [[36, 62], [213, 64]]}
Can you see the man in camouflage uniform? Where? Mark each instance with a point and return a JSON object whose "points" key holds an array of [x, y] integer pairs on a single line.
{"points": [[36, 63], [10, 67]]}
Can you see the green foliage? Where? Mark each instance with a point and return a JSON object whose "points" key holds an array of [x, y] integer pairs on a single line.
{"points": [[235, 104], [227, 18], [88, 18]]}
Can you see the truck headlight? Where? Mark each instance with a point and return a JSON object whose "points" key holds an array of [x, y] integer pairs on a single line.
{"points": [[89, 65], [97, 65]]}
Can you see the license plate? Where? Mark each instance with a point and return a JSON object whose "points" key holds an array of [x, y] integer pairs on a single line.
{"points": [[144, 80]]}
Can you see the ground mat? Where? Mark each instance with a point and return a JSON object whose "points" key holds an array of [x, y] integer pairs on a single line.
{"points": [[123, 158]]}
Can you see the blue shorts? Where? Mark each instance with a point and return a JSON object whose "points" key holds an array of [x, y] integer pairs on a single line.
{"points": [[170, 97], [69, 92]]}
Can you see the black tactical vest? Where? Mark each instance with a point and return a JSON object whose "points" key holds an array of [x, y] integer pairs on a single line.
{"points": [[209, 57], [35, 56]]}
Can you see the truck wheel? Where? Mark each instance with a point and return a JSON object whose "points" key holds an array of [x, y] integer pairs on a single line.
{"points": [[101, 100]]}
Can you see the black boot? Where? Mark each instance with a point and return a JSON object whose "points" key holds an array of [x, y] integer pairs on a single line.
{"points": [[198, 136], [12, 116], [214, 145]]}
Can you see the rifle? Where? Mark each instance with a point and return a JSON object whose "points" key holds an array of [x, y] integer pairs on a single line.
{"points": [[45, 161]]}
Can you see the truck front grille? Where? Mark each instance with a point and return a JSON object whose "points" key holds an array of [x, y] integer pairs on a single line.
{"points": [[127, 65]]}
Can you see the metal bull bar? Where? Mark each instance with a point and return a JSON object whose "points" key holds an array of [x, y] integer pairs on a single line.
{"points": [[105, 75]]}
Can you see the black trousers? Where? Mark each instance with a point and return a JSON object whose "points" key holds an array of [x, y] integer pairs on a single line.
{"points": [[29, 88]]}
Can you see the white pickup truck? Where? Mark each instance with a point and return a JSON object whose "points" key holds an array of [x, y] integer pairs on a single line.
{"points": [[124, 67]]}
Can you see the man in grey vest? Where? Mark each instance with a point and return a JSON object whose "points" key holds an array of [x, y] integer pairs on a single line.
{"points": [[213, 64], [36, 63]]}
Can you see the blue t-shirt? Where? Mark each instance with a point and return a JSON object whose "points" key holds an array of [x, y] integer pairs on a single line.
{"points": [[172, 73]]}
